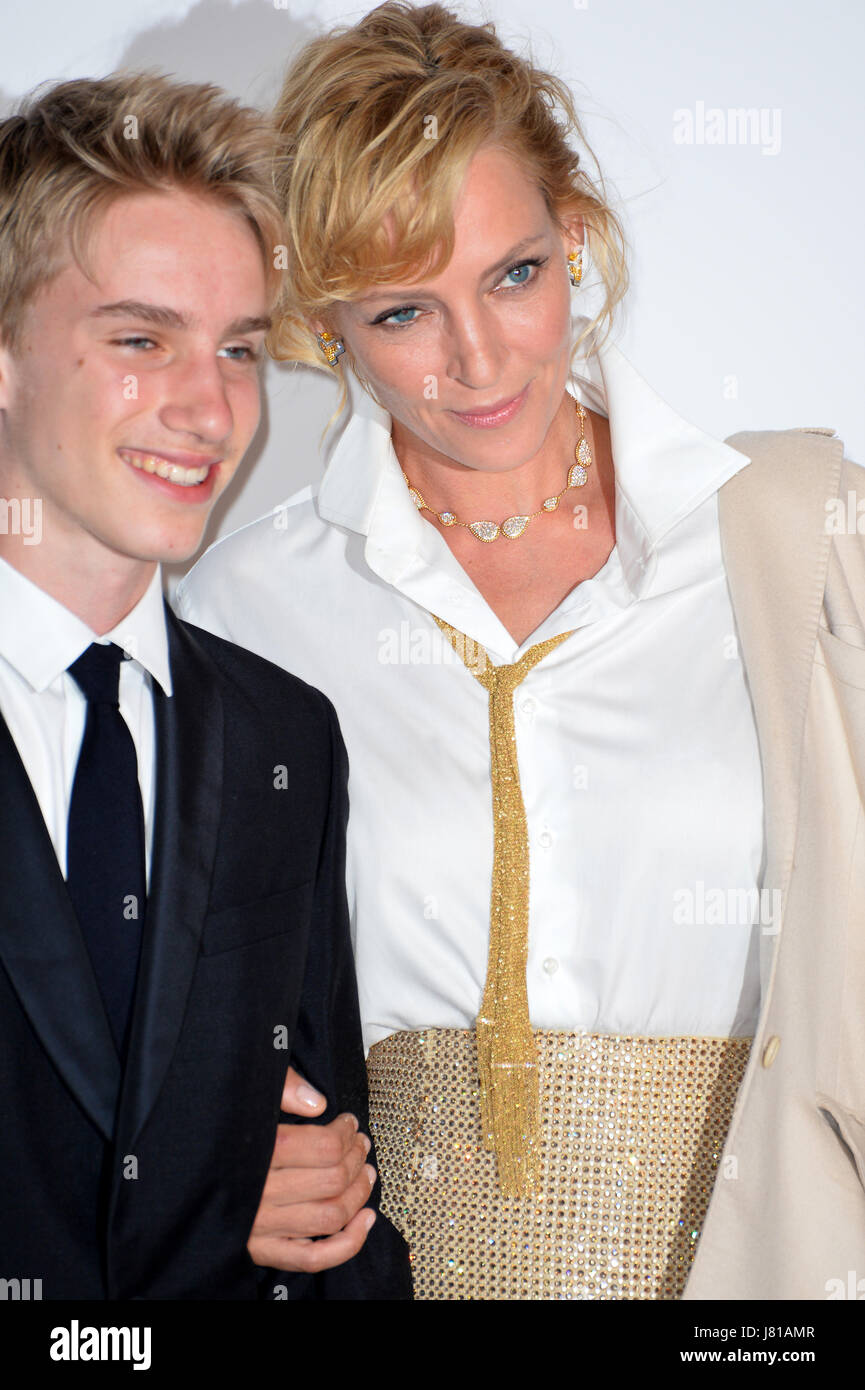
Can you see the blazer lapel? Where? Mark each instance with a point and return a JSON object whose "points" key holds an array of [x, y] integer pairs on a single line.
{"points": [[43, 950], [189, 759], [776, 551]]}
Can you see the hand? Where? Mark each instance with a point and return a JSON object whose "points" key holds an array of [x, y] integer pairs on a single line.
{"points": [[317, 1186]]}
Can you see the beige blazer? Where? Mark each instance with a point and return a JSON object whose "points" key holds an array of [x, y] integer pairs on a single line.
{"points": [[787, 1214]]}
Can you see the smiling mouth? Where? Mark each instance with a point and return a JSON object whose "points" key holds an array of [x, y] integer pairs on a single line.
{"points": [[493, 414], [176, 473]]}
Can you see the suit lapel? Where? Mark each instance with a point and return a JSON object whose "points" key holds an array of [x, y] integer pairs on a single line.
{"points": [[776, 550], [43, 950], [189, 758]]}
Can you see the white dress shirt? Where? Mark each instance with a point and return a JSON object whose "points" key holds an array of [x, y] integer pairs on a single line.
{"points": [[46, 710], [638, 754]]}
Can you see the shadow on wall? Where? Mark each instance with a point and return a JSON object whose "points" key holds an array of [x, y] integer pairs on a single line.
{"points": [[244, 48]]}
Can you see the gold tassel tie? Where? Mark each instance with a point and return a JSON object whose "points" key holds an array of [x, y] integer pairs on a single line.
{"points": [[507, 1062]]}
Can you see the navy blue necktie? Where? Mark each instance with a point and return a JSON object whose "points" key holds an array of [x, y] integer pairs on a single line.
{"points": [[105, 867]]}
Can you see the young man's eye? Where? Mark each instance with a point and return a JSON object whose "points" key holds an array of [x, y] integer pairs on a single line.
{"points": [[241, 352], [135, 340]]}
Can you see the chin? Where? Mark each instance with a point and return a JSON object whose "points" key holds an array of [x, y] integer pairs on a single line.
{"points": [[495, 452], [162, 549]]}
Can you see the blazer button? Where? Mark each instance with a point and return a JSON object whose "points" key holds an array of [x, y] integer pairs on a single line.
{"points": [[770, 1051]]}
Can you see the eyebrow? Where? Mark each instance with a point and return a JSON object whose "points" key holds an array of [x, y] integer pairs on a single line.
{"points": [[161, 316], [515, 251], [508, 259]]}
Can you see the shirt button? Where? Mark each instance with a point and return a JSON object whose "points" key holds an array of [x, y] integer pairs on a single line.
{"points": [[551, 965], [545, 839], [528, 705], [456, 596], [770, 1051]]}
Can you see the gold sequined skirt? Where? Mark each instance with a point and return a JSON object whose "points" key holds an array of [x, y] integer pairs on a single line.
{"points": [[632, 1130]]}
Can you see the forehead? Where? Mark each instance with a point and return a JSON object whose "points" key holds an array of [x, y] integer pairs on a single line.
{"points": [[498, 206], [494, 175], [191, 252]]}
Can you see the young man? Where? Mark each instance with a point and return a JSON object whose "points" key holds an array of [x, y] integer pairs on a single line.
{"points": [[172, 916]]}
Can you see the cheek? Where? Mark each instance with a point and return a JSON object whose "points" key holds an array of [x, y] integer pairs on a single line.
{"points": [[96, 397], [549, 326], [405, 399], [245, 402], [397, 362], [46, 416], [398, 377]]}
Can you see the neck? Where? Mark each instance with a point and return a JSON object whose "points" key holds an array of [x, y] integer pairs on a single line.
{"points": [[473, 493], [100, 594]]}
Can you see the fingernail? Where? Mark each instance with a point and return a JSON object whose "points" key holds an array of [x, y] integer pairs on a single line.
{"points": [[370, 1219], [367, 1144], [371, 1174], [354, 1124], [308, 1096]]}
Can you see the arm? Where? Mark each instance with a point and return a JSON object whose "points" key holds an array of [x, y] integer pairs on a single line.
{"points": [[328, 1052]]}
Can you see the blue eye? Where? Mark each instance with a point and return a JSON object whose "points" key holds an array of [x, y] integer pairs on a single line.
{"points": [[245, 354], [522, 273], [135, 341], [394, 315]]}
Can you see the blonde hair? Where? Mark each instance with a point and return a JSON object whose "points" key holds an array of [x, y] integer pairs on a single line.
{"points": [[353, 124], [67, 154]]}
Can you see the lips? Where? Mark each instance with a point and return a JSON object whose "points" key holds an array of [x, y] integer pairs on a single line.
{"points": [[181, 470], [498, 413]]}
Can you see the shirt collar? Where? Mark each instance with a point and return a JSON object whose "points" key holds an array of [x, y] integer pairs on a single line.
{"points": [[41, 638], [665, 467]]}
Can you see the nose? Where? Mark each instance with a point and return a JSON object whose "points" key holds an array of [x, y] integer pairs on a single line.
{"points": [[476, 353], [197, 402]]}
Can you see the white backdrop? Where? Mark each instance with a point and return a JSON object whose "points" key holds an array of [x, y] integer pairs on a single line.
{"points": [[748, 278]]}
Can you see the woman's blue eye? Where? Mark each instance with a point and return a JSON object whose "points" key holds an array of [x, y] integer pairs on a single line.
{"points": [[522, 274], [394, 316]]}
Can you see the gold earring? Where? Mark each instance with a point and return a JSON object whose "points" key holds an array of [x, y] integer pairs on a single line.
{"points": [[331, 346], [575, 266]]}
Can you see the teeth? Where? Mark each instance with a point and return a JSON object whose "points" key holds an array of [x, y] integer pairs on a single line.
{"points": [[172, 472]]}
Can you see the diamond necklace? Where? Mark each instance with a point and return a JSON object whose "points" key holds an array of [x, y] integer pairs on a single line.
{"points": [[514, 526]]}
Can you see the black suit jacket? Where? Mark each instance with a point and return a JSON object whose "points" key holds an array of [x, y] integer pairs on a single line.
{"points": [[246, 963]]}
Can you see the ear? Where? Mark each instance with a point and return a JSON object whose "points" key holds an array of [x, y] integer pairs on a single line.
{"points": [[322, 326], [574, 233], [331, 328]]}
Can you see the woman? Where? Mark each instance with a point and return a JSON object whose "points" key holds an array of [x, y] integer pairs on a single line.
{"points": [[511, 583]]}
